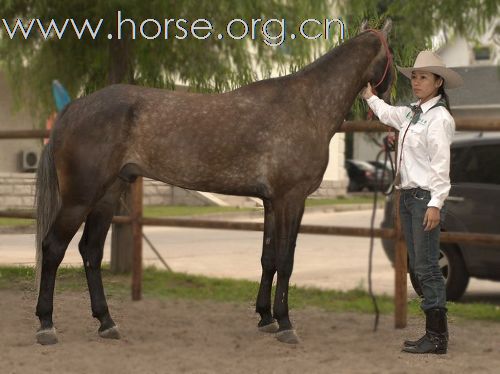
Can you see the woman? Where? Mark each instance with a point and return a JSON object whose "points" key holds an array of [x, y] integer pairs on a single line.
{"points": [[423, 166]]}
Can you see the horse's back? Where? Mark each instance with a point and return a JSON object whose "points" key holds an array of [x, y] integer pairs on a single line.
{"points": [[215, 142]]}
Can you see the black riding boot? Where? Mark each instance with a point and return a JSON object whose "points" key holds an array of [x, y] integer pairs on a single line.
{"points": [[413, 343], [435, 339]]}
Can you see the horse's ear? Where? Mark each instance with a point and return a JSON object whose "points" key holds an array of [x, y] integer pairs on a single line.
{"points": [[364, 26], [387, 27]]}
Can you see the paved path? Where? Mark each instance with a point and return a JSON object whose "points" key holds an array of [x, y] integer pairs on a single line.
{"points": [[335, 262]]}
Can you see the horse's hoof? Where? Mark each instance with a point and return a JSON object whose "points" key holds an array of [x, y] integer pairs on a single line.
{"points": [[288, 336], [111, 333], [270, 327], [46, 336]]}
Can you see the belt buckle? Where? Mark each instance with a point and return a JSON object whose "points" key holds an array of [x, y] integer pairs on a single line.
{"points": [[414, 194]]}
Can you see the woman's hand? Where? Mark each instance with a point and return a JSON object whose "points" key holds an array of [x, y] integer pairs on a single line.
{"points": [[431, 218], [367, 92]]}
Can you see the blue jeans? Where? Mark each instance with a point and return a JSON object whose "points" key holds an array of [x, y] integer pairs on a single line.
{"points": [[423, 246]]}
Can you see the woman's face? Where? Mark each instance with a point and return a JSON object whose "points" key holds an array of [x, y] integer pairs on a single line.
{"points": [[425, 85]]}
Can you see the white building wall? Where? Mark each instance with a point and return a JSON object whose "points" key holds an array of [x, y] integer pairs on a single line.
{"points": [[335, 170], [335, 179], [11, 148], [457, 52], [364, 148]]}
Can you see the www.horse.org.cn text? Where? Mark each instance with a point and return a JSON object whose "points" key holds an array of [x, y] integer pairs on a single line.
{"points": [[272, 32]]}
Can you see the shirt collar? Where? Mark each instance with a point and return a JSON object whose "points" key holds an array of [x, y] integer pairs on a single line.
{"points": [[428, 104]]}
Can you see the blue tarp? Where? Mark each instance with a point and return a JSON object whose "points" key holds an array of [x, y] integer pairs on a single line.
{"points": [[60, 94]]}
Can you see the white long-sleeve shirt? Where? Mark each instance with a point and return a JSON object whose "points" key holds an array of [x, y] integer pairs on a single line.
{"points": [[426, 148]]}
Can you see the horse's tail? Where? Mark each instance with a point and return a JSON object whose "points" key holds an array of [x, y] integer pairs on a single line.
{"points": [[47, 202]]}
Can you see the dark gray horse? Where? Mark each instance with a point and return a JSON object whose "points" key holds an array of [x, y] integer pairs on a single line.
{"points": [[268, 139]]}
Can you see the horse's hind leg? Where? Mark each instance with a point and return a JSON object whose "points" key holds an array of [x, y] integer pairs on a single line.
{"points": [[91, 248], [66, 224], [268, 262]]}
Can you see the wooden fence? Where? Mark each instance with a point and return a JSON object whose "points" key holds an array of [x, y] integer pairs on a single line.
{"points": [[137, 220]]}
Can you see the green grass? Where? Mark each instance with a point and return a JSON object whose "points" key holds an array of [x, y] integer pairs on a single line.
{"points": [[162, 284], [16, 222], [150, 211], [340, 200], [181, 210], [170, 211]]}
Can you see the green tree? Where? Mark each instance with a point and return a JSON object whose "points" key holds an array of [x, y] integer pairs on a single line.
{"points": [[415, 23], [85, 65]]}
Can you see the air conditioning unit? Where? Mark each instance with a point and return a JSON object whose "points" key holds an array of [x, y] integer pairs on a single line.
{"points": [[29, 159]]}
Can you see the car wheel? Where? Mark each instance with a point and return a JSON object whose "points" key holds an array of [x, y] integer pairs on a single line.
{"points": [[454, 272]]}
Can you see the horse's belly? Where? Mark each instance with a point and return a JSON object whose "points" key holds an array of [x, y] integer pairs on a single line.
{"points": [[199, 176]]}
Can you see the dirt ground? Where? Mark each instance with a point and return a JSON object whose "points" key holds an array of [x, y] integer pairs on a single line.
{"points": [[178, 336]]}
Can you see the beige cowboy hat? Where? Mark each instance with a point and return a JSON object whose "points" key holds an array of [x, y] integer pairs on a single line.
{"points": [[431, 62]]}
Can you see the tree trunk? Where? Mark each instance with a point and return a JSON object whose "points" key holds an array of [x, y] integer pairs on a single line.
{"points": [[120, 69]]}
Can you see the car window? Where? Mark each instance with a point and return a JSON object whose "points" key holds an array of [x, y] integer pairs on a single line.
{"points": [[481, 164], [363, 165], [457, 174]]}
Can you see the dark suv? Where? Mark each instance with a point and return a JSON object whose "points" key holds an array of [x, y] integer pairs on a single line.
{"points": [[364, 174], [473, 206]]}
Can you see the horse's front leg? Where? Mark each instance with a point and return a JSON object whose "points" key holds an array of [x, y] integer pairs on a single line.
{"points": [[288, 215], [268, 261]]}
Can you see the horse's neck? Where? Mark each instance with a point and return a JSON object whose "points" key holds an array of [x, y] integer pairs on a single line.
{"points": [[335, 79]]}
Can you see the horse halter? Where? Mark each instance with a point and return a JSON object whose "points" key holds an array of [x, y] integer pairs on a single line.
{"points": [[387, 53]]}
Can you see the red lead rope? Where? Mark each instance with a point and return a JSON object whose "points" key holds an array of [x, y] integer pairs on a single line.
{"points": [[369, 116], [387, 53]]}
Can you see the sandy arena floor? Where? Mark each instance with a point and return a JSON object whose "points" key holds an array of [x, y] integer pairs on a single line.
{"points": [[166, 336]]}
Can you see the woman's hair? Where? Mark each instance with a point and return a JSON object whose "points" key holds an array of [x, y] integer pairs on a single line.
{"points": [[443, 94]]}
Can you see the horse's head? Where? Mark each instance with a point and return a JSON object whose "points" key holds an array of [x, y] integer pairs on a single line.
{"points": [[381, 72]]}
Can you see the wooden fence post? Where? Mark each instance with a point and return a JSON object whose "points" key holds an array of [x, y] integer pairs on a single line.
{"points": [[122, 238], [136, 216]]}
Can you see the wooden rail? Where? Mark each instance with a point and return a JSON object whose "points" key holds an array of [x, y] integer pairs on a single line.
{"points": [[400, 299], [462, 124], [446, 237]]}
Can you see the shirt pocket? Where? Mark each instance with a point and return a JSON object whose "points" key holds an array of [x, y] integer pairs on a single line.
{"points": [[416, 136]]}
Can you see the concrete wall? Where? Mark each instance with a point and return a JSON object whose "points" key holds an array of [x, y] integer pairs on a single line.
{"points": [[335, 180], [10, 149], [331, 189], [17, 191], [159, 193]]}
